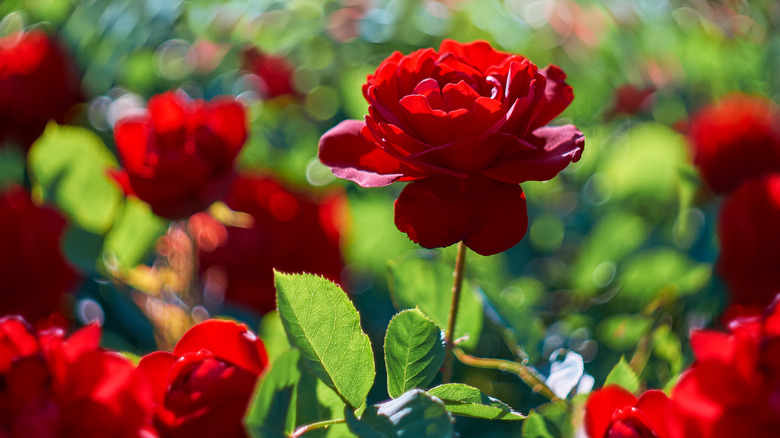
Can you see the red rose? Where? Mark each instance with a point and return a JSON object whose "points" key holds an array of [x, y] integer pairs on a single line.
{"points": [[749, 232], [204, 387], [275, 72], [179, 156], [736, 139], [466, 125], [54, 386], [33, 272], [37, 84], [733, 387], [613, 412], [630, 100], [291, 232]]}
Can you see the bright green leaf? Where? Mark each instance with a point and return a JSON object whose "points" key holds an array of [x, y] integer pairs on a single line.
{"points": [[535, 427], [468, 401], [661, 273], [414, 352], [414, 414], [269, 411], [133, 234], [321, 321], [623, 375], [68, 167], [271, 331], [427, 283], [623, 332]]}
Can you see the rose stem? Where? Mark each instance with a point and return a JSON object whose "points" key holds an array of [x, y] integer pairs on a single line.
{"points": [[460, 264], [319, 425]]}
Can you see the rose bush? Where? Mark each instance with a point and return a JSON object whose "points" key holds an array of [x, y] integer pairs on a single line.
{"points": [[750, 241], [291, 231], [613, 412], [204, 386], [53, 386], [275, 72], [736, 139], [38, 83], [33, 271], [733, 387], [466, 125], [178, 157]]}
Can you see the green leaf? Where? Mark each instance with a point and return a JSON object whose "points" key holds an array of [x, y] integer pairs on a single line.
{"points": [[661, 273], [269, 411], [623, 375], [622, 332], [321, 321], [68, 167], [271, 331], [414, 351], [468, 401], [11, 165], [426, 282], [535, 426], [134, 233], [414, 414]]}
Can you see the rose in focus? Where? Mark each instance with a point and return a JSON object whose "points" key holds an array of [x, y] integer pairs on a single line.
{"points": [[735, 140], [178, 157], [37, 84], [613, 412], [290, 231], [749, 233], [733, 387], [55, 386], [33, 271], [465, 125], [204, 386]]}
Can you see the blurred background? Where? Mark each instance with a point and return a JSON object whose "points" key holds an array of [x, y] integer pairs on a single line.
{"points": [[618, 259]]}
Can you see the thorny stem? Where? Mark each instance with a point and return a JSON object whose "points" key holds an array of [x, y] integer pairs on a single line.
{"points": [[449, 342], [318, 425], [528, 376]]}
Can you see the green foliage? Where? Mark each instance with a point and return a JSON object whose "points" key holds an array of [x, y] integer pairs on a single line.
{"points": [[661, 273], [461, 399], [414, 414], [133, 234], [414, 352], [427, 283], [622, 332], [321, 321], [68, 167], [535, 427], [623, 375], [11, 166]]}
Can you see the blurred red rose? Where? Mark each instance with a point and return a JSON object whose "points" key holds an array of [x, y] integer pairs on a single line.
{"points": [[466, 124], [275, 72], [291, 231], [204, 387], [733, 387], [53, 386], [736, 139], [37, 83], [33, 272], [631, 100], [613, 412], [178, 157], [749, 232]]}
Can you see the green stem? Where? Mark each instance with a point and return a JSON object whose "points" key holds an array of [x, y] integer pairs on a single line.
{"points": [[460, 264], [528, 376], [318, 425]]}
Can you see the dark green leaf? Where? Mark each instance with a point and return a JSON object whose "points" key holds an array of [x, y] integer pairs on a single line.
{"points": [[535, 426], [623, 375], [414, 351], [269, 411], [321, 321], [468, 401], [414, 414]]}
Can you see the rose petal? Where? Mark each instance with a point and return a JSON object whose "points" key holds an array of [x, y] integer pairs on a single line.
{"points": [[557, 96], [228, 341], [132, 139], [488, 216], [558, 146], [653, 404], [479, 53], [601, 406], [157, 367], [472, 154], [168, 112], [350, 156]]}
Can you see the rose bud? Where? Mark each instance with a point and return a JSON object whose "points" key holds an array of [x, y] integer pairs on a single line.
{"points": [[749, 233], [736, 139], [204, 386], [38, 83], [733, 387], [55, 386], [33, 271], [178, 156], [613, 412], [290, 231], [275, 72], [466, 125]]}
